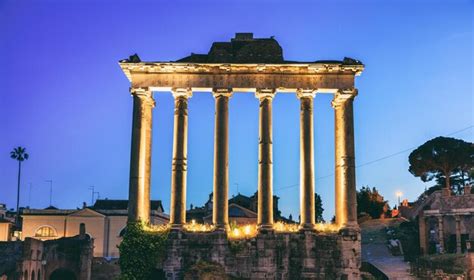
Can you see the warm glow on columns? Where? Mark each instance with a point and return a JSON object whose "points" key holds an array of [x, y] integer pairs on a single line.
{"points": [[140, 156], [220, 215], [307, 208], [346, 201], [265, 159], [180, 154]]}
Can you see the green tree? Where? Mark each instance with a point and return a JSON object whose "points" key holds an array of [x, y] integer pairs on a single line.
{"points": [[20, 155], [448, 160], [371, 202], [318, 206]]}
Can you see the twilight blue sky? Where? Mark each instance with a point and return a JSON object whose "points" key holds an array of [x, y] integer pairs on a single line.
{"points": [[64, 97]]}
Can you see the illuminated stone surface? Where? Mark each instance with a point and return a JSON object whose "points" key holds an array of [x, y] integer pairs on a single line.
{"points": [[257, 66], [140, 159], [297, 255], [265, 159], [346, 200], [220, 210], [307, 212], [180, 158]]}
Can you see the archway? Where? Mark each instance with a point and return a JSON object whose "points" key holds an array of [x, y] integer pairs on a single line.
{"points": [[62, 274]]}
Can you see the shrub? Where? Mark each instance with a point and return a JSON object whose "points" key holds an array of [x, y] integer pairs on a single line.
{"points": [[449, 263], [205, 271], [141, 251]]}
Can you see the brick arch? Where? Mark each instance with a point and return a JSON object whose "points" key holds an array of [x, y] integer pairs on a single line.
{"points": [[57, 268], [63, 274]]}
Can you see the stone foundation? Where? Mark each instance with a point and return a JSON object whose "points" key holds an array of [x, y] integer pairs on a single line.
{"points": [[302, 255]]}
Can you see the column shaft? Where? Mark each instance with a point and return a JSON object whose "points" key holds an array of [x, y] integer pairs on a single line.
{"points": [[422, 234], [346, 200], [307, 207], [140, 158], [220, 211], [441, 232], [180, 153], [458, 234], [265, 160]]}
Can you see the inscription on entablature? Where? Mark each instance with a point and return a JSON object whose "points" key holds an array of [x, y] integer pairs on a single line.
{"points": [[278, 80]]}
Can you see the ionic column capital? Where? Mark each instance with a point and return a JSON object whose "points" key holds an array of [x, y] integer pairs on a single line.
{"points": [[182, 92], [218, 92], [143, 93], [304, 93], [265, 93], [140, 91], [343, 95]]}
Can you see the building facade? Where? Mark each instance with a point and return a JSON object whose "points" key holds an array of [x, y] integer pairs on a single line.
{"points": [[104, 221], [446, 222]]}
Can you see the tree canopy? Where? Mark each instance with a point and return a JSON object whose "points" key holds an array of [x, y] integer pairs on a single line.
{"points": [[318, 206], [371, 202], [448, 160], [19, 154]]}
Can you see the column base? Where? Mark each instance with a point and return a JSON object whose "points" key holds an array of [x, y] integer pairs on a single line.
{"points": [[350, 233], [350, 225], [221, 227], [307, 227], [175, 227], [265, 228]]}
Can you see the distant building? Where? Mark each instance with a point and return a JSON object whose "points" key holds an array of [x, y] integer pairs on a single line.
{"points": [[3, 210], [8, 214], [242, 210], [104, 221], [446, 222], [7, 221], [63, 258], [6, 227]]}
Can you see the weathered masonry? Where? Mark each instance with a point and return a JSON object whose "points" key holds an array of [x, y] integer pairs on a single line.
{"points": [[251, 66]]}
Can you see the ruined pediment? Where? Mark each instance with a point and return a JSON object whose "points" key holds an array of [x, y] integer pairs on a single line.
{"points": [[244, 48]]}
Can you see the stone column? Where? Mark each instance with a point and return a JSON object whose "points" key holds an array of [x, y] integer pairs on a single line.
{"points": [[422, 233], [441, 232], [265, 159], [180, 154], [307, 210], [458, 234], [346, 201], [140, 158], [220, 206]]}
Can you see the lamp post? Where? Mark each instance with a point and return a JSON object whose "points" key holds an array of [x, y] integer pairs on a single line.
{"points": [[92, 188], [399, 195]]}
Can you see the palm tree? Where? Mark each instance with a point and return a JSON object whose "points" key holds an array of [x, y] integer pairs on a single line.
{"points": [[20, 155]]}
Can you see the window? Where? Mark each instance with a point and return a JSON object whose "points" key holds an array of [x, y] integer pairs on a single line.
{"points": [[45, 231]]}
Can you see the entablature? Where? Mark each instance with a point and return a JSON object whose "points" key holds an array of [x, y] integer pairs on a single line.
{"points": [[162, 76]]}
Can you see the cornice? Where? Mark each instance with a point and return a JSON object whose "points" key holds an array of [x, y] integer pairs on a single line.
{"points": [[222, 68]]}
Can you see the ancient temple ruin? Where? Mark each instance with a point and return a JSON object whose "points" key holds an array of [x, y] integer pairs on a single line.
{"points": [[246, 65]]}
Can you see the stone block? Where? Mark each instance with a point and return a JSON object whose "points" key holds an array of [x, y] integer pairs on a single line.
{"points": [[302, 255]]}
